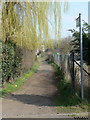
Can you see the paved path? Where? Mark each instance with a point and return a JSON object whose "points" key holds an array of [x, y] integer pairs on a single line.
{"points": [[34, 97]]}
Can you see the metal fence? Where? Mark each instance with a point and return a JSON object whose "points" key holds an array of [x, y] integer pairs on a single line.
{"points": [[71, 69]]}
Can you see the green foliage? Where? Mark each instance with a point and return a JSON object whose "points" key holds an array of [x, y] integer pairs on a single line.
{"points": [[27, 24], [11, 87], [86, 42], [68, 102], [11, 60], [65, 96], [7, 61], [11, 56]]}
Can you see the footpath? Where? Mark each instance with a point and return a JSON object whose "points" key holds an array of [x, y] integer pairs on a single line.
{"points": [[34, 98]]}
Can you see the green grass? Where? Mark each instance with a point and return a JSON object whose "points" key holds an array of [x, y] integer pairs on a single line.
{"points": [[65, 100], [73, 109], [11, 87]]}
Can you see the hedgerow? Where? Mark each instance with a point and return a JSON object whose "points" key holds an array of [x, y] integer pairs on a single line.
{"points": [[11, 61]]}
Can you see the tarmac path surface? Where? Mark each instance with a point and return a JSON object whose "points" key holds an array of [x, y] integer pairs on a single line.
{"points": [[34, 97]]}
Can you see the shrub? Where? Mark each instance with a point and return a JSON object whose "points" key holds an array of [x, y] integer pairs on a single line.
{"points": [[11, 61]]}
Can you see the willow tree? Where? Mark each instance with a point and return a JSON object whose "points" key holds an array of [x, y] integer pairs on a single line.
{"points": [[9, 22], [58, 8], [10, 27], [32, 29], [35, 24], [27, 25]]}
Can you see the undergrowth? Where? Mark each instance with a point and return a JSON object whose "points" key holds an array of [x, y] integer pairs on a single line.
{"points": [[11, 87], [65, 96]]}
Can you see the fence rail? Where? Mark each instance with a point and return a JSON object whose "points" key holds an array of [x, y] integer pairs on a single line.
{"points": [[80, 66], [71, 70]]}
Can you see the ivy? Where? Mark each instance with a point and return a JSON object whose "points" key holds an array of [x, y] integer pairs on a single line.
{"points": [[26, 25], [11, 61]]}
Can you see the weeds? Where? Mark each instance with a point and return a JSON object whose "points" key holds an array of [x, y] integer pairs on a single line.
{"points": [[11, 87], [65, 99]]}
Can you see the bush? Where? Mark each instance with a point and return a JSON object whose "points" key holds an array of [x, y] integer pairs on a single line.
{"points": [[86, 42], [11, 61]]}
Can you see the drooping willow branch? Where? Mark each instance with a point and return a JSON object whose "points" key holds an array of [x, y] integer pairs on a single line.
{"points": [[27, 24]]}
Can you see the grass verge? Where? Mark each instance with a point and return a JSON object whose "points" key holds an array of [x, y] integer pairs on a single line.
{"points": [[12, 87], [65, 100]]}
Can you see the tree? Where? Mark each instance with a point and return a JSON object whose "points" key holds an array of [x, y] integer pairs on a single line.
{"points": [[65, 46], [86, 42], [27, 24]]}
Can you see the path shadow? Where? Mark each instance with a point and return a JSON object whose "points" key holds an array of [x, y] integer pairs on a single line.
{"points": [[32, 99]]}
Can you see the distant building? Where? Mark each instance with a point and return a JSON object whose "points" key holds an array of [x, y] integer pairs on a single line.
{"points": [[89, 15]]}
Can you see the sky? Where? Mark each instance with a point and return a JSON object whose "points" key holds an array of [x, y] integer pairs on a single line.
{"points": [[69, 18]]}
